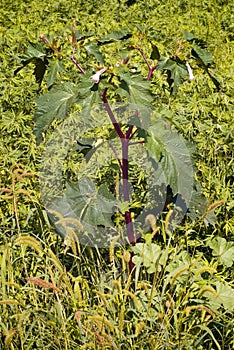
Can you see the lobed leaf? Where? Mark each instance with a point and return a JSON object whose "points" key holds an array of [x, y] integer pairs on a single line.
{"points": [[176, 72], [33, 51], [35, 54], [204, 55], [54, 68], [135, 89], [84, 202], [172, 155], [54, 104], [223, 250]]}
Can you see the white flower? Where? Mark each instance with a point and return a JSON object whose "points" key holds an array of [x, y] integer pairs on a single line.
{"points": [[190, 72], [96, 77]]}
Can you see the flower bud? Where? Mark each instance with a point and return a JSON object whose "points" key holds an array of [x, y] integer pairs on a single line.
{"points": [[190, 72], [42, 36], [96, 77]]}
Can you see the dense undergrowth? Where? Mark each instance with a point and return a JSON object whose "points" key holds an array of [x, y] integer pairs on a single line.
{"points": [[58, 294]]}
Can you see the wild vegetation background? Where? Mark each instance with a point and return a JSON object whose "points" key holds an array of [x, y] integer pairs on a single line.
{"points": [[56, 294]]}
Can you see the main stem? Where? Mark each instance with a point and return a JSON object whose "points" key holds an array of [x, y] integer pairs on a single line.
{"points": [[128, 218], [125, 138], [126, 195]]}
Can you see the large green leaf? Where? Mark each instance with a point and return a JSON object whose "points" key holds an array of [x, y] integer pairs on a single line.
{"points": [[81, 36], [174, 167], [172, 156], [92, 206], [225, 295], [136, 88], [52, 105], [198, 49], [223, 250], [202, 56], [148, 255]]}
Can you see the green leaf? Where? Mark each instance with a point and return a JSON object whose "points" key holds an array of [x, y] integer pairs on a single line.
{"points": [[81, 36], [198, 206], [93, 49], [54, 68], [148, 255], [33, 51], [224, 296], [124, 206], [90, 100], [90, 205], [204, 55], [86, 83], [172, 155], [89, 94], [223, 250], [136, 89], [34, 54], [188, 36], [155, 55], [52, 105], [115, 36], [176, 72]]}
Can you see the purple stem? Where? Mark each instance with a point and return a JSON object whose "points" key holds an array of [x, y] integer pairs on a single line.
{"points": [[111, 115], [115, 153], [76, 63], [151, 68], [128, 218], [142, 54], [125, 138]]}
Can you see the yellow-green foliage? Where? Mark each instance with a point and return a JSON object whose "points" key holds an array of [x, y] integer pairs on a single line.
{"points": [[56, 294]]}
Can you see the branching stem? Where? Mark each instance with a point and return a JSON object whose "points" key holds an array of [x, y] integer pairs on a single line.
{"points": [[116, 154], [151, 68]]}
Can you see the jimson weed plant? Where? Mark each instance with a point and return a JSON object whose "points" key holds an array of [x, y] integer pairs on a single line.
{"points": [[112, 154]]}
